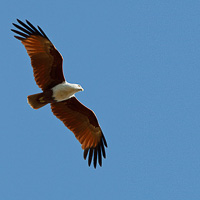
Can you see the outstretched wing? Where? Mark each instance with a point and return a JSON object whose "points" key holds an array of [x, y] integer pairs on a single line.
{"points": [[83, 123], [45, 59]]}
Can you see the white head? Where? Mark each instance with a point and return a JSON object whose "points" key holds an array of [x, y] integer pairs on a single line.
{"points": [[78, 87]]}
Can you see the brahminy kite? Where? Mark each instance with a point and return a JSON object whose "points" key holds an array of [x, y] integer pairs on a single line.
{"points": [[48, 73]]}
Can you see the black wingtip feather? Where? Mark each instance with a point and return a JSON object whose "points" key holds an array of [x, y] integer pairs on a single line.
{"points": [[103, 151], [22, 29], [42, 32], [85, 153], [26, 26], [95, 158], [20, 33], [28, 30], [99, 155], [19, 38], [96, 152], [104, 140], [33, 27], [90, 156]]}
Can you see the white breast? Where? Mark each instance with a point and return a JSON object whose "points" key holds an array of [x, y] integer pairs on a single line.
{"points": [[63, 91]]}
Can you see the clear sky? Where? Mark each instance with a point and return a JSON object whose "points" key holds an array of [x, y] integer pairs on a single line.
{"points": [[139, 65]]}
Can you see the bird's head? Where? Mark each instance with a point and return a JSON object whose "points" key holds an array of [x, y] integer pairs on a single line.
{"points": [[78, 87]]}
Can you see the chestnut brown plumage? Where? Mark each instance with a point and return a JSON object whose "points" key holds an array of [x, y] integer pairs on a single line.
{"points": [[45, 59], [48, 72]]}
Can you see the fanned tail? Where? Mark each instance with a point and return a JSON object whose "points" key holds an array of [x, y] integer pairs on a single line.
{"points": [[36, 101]]}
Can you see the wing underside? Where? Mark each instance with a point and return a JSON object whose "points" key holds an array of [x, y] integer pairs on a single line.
{"points": [[45, 59]]}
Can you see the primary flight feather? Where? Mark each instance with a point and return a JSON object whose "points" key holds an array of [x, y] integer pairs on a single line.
{"points": [[48, 72]]}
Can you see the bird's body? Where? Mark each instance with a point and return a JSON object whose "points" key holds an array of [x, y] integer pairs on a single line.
{"points": [[65, 90], [47, 68], [61, 92]]}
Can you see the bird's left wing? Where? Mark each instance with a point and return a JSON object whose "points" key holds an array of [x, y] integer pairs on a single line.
{"points": [[83, 123], [45, 59]]}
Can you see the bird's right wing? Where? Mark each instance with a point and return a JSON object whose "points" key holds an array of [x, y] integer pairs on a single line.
{"points": [[45, 59]]}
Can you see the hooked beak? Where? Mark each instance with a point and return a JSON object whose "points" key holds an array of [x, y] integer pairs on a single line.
{"points": [[80, 88]]}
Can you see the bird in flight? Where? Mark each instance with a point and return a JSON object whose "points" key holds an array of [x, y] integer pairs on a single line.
{"points": [[48, 73]]}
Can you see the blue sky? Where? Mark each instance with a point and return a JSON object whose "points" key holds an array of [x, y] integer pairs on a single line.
{"points": [[139, 65]]}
